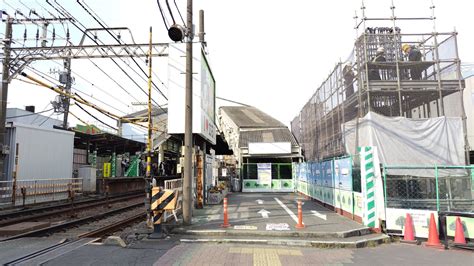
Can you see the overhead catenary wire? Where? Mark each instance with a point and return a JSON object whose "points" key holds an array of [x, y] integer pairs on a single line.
{"points": [[96, 86], [87, 112], [66, 13], [98, 67], [54, 81], [78, 118], [105, 27], [153, 72], [77, 99]]}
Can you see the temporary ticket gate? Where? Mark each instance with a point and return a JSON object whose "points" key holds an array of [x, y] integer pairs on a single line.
{"points": [[267, 177]]}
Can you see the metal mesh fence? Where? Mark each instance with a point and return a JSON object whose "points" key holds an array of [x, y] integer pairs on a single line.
{"points": [[441, 188]]}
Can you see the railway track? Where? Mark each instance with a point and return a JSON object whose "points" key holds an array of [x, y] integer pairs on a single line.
{"points": [[132, 212], [35, 214], [76, 233]]}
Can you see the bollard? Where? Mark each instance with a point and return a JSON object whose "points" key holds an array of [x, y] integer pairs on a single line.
{"points": [[300, 224], [226, 220]]}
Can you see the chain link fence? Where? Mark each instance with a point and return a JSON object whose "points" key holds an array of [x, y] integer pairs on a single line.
{"points": [[440, 188]]}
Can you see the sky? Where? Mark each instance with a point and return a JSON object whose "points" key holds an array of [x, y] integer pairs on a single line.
{"points": [[271, 54]]}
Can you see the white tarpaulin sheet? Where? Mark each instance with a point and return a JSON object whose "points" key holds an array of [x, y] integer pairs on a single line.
{"points": [[404, 141]]}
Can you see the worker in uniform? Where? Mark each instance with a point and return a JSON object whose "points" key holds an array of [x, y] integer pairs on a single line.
{"points": [[413, 54], [374, 73]]}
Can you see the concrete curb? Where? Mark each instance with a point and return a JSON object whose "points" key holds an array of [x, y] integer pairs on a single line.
{"points": [[296, 234], [371, 242]]}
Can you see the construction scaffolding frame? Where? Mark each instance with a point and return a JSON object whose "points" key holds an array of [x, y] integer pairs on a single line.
{"points": [[395, 86]]}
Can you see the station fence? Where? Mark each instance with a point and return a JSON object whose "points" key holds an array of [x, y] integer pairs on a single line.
{"points": [[435, 187], [24, 192], [177, 185]]}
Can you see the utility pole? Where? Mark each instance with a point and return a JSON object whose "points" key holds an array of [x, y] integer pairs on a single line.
{"points": [[4, 149], [150, 122], [68, 82], [148, 177], [188, 124]]}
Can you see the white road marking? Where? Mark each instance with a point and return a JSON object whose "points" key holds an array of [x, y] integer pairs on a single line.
{"points": [[319, 215], [259, 201], [264, 213], [292, 215]]}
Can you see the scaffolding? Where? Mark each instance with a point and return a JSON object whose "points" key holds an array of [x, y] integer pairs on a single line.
{"points": [[425, 87]]}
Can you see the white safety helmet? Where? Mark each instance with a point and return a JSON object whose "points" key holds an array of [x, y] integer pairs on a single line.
{"points": [[380, 50]]}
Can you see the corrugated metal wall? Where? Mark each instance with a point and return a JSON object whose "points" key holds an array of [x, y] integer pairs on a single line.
{"points": [[44, 153]]}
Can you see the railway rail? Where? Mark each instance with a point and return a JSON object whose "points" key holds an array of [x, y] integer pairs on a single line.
{"points": [[27, 215], [77, 223]]}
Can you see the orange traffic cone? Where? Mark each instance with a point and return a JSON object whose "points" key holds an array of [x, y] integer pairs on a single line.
{"points": [[433, 238], [459, 234], [409, 236]]}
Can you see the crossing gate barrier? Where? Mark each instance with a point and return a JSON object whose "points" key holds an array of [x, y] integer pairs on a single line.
{"points": [[162, 200]]}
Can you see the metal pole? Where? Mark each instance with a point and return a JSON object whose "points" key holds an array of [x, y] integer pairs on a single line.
{"points": [[201, 26], [4, 93], [150, 124], [67, 66], [188, 134], [148, 187], [437, 187]]}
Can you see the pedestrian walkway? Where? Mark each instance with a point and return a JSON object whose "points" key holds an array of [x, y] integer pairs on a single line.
{"points": [[272, 212], [271, 219], [257, 255]]}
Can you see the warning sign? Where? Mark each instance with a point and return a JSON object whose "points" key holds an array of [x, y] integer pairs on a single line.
{"points": [[278, 227]]}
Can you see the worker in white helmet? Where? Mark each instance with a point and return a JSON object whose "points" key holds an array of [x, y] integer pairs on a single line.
{"points": [[379, 57]]}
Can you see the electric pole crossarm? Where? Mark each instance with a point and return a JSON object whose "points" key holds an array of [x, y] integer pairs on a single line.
{"points": [[88, 51]]}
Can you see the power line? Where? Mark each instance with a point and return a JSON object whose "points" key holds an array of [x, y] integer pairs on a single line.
{"points": [[179, 12], [162, 15], [99, 88], [46, 119], [64, 11], [126, 50], [54, 81], [18, 116], [171, 13], [82, 108]]}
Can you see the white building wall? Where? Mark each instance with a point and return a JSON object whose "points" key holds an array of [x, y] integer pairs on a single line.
{"points": [[44, 153]]}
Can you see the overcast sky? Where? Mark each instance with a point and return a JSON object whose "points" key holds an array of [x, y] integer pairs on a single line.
{"points": [[271, 54]]}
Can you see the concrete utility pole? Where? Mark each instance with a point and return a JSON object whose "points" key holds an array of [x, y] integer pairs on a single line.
{"points": [[188, 126], [4, 93], [68, 84]]}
